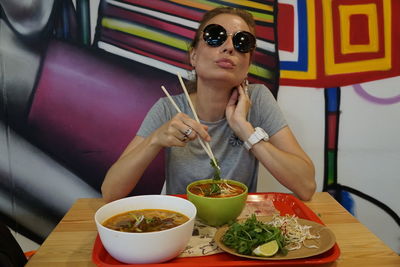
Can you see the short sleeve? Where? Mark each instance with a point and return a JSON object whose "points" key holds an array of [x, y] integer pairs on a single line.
{"points": [[265, 111], [155, 118]]}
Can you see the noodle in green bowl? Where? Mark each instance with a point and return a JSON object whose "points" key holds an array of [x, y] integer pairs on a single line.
{"points": [[217, 201]]}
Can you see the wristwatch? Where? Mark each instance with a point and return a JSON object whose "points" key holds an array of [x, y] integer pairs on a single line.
{"points": [[256, 137]]}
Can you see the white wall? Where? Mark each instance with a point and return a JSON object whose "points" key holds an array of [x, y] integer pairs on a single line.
{"points": [[368, 148]]}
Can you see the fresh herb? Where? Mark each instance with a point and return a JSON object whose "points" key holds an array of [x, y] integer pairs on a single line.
{"points": [[217, 170], [149, 220], [245, 237], [213, 190]]}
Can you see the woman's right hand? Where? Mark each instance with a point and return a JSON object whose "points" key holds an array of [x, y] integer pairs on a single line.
{"points": [[178, 131]]}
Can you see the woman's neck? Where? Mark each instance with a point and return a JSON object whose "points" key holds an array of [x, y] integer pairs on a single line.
{"points": [[210, 102]]}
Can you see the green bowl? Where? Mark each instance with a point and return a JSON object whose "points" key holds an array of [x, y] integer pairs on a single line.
{"points": [[218, 211]]}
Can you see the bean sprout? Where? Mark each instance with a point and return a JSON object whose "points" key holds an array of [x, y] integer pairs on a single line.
{"points": [[138, 221], [294, 233]]}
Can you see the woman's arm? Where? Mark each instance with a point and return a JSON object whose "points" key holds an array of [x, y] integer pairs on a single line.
{"points": [[282, 155], [125, 173]]}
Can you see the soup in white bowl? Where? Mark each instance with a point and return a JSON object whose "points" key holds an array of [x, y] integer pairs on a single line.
{"points": [[146, 247]]}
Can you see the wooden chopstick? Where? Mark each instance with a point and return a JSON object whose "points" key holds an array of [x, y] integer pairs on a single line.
{"points": [[170, 99], [196, 117], [209, 153]]}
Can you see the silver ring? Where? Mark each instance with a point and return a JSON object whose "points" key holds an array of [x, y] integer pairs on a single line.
{"points": [[188, 131]]}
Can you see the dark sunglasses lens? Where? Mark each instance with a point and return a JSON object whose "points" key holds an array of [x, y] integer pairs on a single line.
{"points": [[214, 35], [244, 42]]}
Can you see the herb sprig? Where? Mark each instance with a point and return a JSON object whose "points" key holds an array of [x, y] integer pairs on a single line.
{"points": [[245, 237], [213, 190], [217, 170]]}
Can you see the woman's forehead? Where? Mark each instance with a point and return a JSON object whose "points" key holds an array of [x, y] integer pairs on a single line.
{"points": [[232, 23]]}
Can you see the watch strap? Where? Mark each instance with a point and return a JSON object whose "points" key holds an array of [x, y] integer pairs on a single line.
{"points": [[258, 135]]}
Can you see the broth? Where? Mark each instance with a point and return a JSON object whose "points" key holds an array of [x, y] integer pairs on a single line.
{"points": [[210, 190], [146, 220]]}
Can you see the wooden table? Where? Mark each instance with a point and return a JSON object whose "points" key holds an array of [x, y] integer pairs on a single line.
{"points": [[71, 242]]}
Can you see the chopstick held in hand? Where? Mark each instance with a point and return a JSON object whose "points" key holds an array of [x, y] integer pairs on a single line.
{"points": [[196, 117], [209, 153]]}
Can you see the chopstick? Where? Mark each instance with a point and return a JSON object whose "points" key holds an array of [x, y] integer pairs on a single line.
{"points": [[196, 117], [209, 154], [170, 99]]}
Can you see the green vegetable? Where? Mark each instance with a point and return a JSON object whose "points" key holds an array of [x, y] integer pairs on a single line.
{"points": [[245, 237], [217, 170], [149, 220], [214, 190]]}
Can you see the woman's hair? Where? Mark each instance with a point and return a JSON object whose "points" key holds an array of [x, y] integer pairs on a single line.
{"points": [[243, 14]]}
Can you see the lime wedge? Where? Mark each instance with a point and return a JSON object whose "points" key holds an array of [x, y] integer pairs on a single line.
{"points": [[267, 250]]}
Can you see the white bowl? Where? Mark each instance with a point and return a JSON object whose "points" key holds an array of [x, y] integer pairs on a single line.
{"points": [[151, 247]]}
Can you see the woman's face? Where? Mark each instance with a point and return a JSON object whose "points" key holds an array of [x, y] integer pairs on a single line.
{"points": [[223, 63]]}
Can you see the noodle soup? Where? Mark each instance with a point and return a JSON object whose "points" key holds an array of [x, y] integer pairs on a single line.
{"points": [[217, 208], [146, 247], [146, 220], [217, 189]]}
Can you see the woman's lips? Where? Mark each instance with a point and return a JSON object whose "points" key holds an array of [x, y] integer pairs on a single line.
{"points": [[225, 63]]}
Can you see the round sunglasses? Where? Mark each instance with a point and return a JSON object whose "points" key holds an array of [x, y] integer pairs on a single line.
{"points": [[215, 35]]}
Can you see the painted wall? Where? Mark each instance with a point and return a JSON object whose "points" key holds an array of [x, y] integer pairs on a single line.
{"points": [[368, 150], [318, 49]]}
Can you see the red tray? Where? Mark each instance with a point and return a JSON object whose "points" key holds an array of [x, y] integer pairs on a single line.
{"points": [[285, 203]]}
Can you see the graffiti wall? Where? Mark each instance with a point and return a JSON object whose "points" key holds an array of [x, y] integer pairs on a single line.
{"points": [[347, 52], [77, 78]]}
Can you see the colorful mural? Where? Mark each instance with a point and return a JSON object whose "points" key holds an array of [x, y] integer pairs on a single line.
{"points": [[338, 42], [61, 95], [158, 33], [64, 62]]}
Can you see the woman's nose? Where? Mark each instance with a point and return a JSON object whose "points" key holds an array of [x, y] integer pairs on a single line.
{"points": [[227, 46]]}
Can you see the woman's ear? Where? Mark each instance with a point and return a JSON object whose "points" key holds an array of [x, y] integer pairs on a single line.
{"points": [[193, 55]]}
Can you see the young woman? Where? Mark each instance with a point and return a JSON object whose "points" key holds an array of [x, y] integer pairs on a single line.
{"points": [[242, 123]]}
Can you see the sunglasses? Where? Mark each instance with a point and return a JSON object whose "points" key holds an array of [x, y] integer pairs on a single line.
{"points": [[215, 35]]}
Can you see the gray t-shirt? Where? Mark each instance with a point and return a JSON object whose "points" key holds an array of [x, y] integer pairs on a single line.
{"points": [[187, 164]]}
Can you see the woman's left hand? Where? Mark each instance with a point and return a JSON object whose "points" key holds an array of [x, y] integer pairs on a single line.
{"points": [[237, 109]]}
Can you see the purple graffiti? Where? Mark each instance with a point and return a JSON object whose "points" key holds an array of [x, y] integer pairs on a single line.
{"points": [[382, 101]]}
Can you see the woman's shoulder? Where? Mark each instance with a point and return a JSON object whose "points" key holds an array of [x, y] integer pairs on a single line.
{"points": [[257, 86], [258, 91], [164, 101], [265, 109], [179, 97]]}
